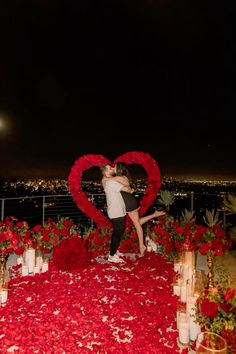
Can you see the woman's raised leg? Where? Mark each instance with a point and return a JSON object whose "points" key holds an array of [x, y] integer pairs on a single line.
{"points": [[134, 216]]}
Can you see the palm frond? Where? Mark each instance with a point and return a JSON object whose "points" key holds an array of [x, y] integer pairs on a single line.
{"points": [[166, 198], [188, 216], [212, 217], [229, 203]]}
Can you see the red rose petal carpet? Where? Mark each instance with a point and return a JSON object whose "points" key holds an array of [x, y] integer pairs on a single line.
{"points": [[104, 309]]}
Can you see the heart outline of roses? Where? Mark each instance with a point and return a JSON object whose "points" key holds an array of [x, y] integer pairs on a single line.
{"points": [[85, 162]]}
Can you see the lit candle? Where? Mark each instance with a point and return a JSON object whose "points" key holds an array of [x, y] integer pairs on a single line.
{"points": [[30, 259], [184, 333], [183, 293], [176, 289], [194, 328], [189, 258], [191, 301], [45, 266], [24, 270], [149, 248], [36, 269], [3, 296], [177, 267], [39, 261], [153, 246], [190, 272], [180, 318], [19, 260], [185, 272]]}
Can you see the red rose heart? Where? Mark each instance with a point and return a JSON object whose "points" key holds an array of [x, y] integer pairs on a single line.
{"points": [[87, 161]]}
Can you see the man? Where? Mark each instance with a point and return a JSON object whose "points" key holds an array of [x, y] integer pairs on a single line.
{"points": [[115, 209]]}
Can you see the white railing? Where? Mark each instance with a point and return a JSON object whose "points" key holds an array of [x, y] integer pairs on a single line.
{"points": [[37, 209]]}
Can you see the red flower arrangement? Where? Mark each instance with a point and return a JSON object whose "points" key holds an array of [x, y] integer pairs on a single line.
{"points": [[50, 234], [14, 235], [87, 161], [174, 238], [71, 254], [129, 241], [213, 239], [98, 240], [216, 312]]}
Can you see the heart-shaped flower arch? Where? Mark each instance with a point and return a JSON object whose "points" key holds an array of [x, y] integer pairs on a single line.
{"points": [[87, 161]]}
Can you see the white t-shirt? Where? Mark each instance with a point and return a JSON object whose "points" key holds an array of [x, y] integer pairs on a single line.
{"points": [[115, 202]]}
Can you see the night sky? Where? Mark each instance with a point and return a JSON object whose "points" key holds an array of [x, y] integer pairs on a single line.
{"points": [[110, 76]]}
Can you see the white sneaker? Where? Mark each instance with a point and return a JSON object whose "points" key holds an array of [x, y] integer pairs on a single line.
{"points": [[115, 259]]}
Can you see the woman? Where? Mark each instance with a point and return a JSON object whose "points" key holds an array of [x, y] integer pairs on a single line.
{"points": [[131, 204]]}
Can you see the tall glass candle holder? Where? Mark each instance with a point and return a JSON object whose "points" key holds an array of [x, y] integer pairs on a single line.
{"points": [[210, 343]]}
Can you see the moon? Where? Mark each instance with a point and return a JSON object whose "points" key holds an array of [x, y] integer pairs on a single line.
{"points": [[5, 125]]}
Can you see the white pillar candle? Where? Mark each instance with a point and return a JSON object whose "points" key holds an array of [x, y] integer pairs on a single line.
{"points": [[39, 261], [177, 267], [30, 260], [3, 296], [189, 287], [188, 259], [185, 272], [153, 246], [176, 289], [24, 270], [191, 301], [194, 329], [36, 269], [20, 260], [184, 333], [45, 267], [183, 293], [181, 317], [190, 272]]}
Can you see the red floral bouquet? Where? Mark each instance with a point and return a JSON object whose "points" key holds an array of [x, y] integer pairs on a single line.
{"points": [[97, 240], [71, 254], [212, 238], [161, 233], [173, 237], [129, 241], [216, 312], [50, 234], [14, 235]]}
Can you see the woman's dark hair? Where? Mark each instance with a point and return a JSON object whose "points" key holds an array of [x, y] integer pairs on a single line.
{"points": [[121, 170]]}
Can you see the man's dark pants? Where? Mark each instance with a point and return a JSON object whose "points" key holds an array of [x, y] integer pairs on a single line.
{"points": [[118, 230]]}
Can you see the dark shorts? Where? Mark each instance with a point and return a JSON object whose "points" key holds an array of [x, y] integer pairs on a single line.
{"points": [[130, 201]]}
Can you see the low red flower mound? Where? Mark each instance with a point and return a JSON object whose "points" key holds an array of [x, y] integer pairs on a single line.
{"points": [[71, 254], [103, 309]]}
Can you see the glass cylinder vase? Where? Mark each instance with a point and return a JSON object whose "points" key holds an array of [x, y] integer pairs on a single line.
{"points": [[210, 343]]}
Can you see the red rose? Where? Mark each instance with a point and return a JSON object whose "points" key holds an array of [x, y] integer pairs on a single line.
{"points": [[218, 252], [209, 308], [229, 294], [19, 250], [36, 228], [225, 307], [205, 247]]}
